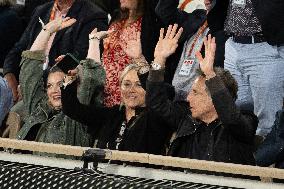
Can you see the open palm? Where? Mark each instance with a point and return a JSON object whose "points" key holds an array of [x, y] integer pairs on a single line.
{"points": [[59, 24], [167, 44], [207, 63]]}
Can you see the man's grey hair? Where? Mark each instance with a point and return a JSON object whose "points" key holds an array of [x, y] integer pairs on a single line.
{"points": [[227, 78], [7, 2]]}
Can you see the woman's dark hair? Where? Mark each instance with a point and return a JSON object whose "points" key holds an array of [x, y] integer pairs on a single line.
{"points": [[123, 14], [46, 74]]}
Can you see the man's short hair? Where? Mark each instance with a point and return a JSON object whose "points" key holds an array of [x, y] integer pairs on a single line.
{"points": [[228, 80]]}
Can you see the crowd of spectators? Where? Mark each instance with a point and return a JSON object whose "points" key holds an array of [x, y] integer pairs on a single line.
{"points": [[151, 77]]}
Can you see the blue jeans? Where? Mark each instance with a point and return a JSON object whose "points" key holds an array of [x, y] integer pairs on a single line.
{"points": [[259, 71]]}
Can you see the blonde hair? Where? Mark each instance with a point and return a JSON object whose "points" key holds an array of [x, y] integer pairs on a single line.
{"points": [[7, 2], [126, 70]]}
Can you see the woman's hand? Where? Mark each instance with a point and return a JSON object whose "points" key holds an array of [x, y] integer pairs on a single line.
{"points": [[167, 44], [207, 63], [133, 47], [94, 44], [59, 24], [99, 35], [40, 43]]}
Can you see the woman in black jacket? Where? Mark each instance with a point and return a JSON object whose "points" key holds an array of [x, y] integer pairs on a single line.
{"points": [[128, 127]]}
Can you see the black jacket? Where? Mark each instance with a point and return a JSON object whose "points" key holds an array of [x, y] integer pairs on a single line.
{"points": [[170, 14], [231, 140], [147, 133], [271, 17], [11, 28], [73, 39], [272, 149]]}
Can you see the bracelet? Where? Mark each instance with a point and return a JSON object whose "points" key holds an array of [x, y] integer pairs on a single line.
{"points": [[94, 37]]}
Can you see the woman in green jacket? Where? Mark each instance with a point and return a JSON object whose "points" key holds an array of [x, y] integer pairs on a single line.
{"points": [[45, 121]]}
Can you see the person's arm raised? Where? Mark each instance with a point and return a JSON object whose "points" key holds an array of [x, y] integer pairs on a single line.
{"points": [[40, 43]]}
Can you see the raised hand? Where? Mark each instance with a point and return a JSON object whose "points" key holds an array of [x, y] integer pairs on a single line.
{"points": [[94, 44], [59, 24], [133, 48], [207, 63], [99, 35], [167, 44]]}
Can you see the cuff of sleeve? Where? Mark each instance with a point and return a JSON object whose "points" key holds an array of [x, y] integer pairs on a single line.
{"points": [[90, 63], [35, 55], [156, 75]]}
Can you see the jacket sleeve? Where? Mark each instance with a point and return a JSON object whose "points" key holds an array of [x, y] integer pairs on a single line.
{"points": [[90, 115], [242, 126], [169, 13], [13, 58], [272, 149], [157, 99], [31, 80], [6, 100]]}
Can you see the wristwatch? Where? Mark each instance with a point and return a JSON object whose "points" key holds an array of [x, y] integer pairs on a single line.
{"points": [[156, 66]]}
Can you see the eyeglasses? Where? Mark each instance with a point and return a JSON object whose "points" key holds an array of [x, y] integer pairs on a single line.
{"points": [[128, 85]]}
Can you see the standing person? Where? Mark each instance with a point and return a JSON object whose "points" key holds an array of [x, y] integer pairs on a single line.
{"points": [[70, 40], [254, 54], [169, 13], [213, 23], [11, 28], [136, 19]]}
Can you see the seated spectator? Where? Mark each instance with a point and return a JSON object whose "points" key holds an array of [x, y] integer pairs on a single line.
{"points": [[45, 121], [130, 126], [209, 126], [11, 28], [186, 71], [271, 151], [6, 99], [72, 40]]}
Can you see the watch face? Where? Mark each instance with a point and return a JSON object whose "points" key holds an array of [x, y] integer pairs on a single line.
{"points": [[156, 66]]}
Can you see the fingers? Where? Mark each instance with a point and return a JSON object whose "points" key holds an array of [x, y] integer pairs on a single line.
{"points": [[58, 59], [168, 31], [67, 22], [199, 57], [162, 31], [94, 31], [173, 31], [177, 36], [73, 72]]}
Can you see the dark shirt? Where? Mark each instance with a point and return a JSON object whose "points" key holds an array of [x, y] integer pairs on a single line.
{"points": [[200, 146], [242, 20]]}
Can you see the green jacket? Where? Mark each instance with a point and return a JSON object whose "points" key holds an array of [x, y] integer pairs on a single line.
{"points": [[44, 124]]}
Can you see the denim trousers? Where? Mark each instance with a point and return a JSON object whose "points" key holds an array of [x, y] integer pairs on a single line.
{"points": [[259, 71]]}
